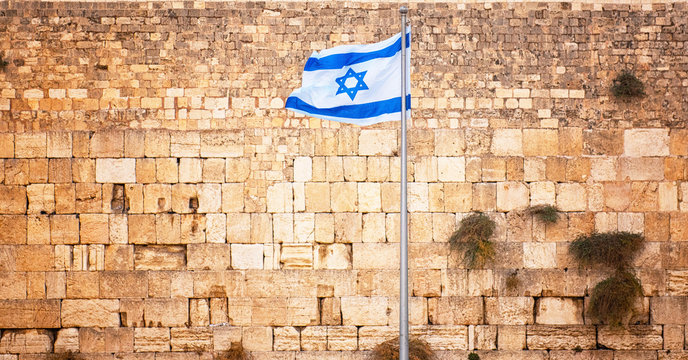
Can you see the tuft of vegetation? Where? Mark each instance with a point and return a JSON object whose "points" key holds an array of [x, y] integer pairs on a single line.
{"points": [[3, 63], [389, 350], [473, 239], [578, 349], [626, 85], [473, 356], [613, 299], [613, 249], [236, 352], [546, 213]]}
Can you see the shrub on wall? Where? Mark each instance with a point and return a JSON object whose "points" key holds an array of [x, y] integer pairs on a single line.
{"points": [[236, 352], [389, 350], [473, 240], [546, 213], [626, 85], [613, 249], [612, 300]]}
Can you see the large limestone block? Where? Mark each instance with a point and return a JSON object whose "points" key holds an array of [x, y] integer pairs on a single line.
{"points": [[90, 313], [344, 197], [151, 339], [451, 169], [286, 339], [571, 197], [191, 339], [333, 256], [484, 337], [13, 285], [547, 337], [304, 227], [41, 198], [539, 255], [296, 256], [224, 144], [123, 284], [442, 337], [247, 256], [159, 257], [375, 256], [279, 198], [363, 310], [26, 341], [116, 171], [507, 142], [13, 199], [677, 282], [633, 337], [317, 197], [511, 337], [314, 338], [371, 336], [641, 169], [30, 145], [646, 142], [512, 196], [342, 338], [509, 310], [303, 168], [348, 227], [67, 340], [555, 310], [257, 338], [166, 312], [454, 310], [208, 256], [302, 311], [669, 310], [29, 313], [540, 142], [377, 142]]}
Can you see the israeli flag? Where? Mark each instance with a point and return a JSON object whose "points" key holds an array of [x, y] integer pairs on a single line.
{"points": [[357, 84]]}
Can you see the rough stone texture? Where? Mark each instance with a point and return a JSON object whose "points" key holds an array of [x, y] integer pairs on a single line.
{"points": [[152, 183], [560, 337]]}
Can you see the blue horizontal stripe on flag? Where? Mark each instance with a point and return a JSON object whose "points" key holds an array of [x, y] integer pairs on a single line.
{"points": [[338, 61], [358, 111]]}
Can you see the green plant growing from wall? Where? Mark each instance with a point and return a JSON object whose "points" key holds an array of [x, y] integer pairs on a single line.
{"points": [[473, 240], [612, 300], [3, 63], [512, 281], [473, 356], [613, 249], [389, 350], [548, 214], [626, 85]]}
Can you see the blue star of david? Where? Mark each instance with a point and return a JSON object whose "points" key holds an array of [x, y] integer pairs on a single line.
{"points": [[360, 85]]}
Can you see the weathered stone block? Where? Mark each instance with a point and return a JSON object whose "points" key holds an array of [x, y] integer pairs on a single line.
{"points": [[245, 256], [553, 311], [166, 312], [26, 341], [208, 256], [296, 256], [375, 256], [646, 142], [13, 199], [29, 313], [116, 171], [512, 196], [633, 337], [361, 310], [159, 257], [509, 310], [669, 310], [151, 339], [257, 338], [191, 339], [547, 337], [30, 145], [67, 340], [123, 284], [442, 337], [511, 337], [377, 142], [90, 313], [455, 310], [13, 229], [342, 338]]}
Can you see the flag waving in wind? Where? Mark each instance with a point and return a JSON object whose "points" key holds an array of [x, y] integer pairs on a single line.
{"points": [[357, 84]]}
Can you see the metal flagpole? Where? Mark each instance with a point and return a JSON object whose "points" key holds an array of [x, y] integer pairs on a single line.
{"points": [[403, 277]]}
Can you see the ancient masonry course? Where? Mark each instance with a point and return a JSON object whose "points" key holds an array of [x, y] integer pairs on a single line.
{"points": [[158, 202]]}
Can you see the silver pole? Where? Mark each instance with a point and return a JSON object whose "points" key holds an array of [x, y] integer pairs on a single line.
{"points": [[403, 277]]}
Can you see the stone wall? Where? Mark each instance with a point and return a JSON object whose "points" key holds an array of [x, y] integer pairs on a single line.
{"points": [[157, 201]]}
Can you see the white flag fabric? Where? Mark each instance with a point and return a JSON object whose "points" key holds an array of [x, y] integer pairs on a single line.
{"points": [[357, 84]]}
